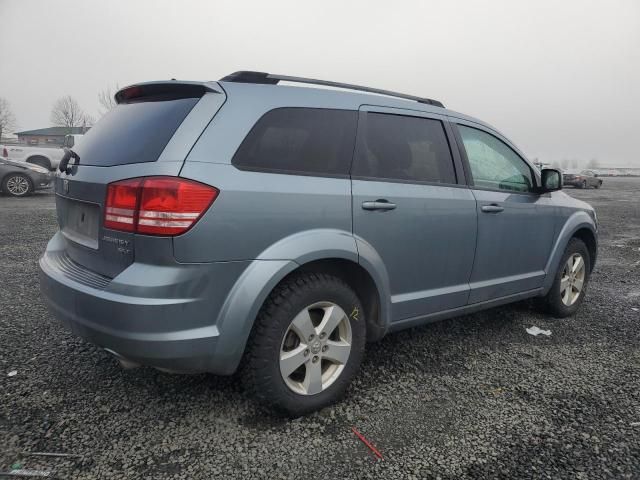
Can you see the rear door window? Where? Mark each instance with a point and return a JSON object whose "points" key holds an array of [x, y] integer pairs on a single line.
{"points": [[134, 132], [309, 141], [406, 148]]}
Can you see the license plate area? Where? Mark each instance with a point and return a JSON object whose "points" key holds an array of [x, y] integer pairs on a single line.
{"points": [[79, 221]]}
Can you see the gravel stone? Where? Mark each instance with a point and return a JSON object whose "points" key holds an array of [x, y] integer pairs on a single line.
{"points": [[473, 397]]}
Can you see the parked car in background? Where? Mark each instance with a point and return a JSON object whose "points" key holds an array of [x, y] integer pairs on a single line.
{"points": [[582, 179], [46, 157], [19, 179], [210, 225]]}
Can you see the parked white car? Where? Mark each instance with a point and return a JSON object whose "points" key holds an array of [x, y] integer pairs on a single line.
{"points": [[47, 157]]}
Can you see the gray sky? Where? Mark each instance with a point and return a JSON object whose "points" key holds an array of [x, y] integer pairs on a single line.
{"points": [[560, 78]]}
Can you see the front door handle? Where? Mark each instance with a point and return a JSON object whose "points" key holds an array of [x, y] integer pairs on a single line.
{"points": [[378, 205], [492, 208]]}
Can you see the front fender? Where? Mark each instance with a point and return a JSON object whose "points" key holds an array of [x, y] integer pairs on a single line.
{"points": [[575, 222]]}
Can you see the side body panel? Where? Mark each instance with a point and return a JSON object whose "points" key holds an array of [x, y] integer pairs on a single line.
{"points": [[515, 233], [513, 245], [426, 242]]}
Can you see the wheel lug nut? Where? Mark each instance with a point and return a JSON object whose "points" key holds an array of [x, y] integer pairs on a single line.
{"points": [[325, 348], [311, 337], [306, 352], [322, 335], [315, 359]]}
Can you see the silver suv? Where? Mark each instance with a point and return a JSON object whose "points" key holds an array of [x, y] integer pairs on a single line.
{"points": [[207, 227]]}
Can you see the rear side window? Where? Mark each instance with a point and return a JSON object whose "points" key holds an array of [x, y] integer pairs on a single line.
{"points": [[133, 132], [398, 147], [300, 140]]}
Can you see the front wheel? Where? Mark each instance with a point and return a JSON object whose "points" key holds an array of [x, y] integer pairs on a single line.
{"points": [[17, 185], [572, 277], [307, 344]]}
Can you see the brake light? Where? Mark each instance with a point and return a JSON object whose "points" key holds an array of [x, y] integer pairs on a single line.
{"points": [[164, 206], [5, 152]]}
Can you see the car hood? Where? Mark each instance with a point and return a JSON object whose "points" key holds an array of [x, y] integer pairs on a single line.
{"points": [[566, 200]]}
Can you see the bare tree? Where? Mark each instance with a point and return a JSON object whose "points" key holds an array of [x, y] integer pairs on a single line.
{"points": [[7, 118], [107, 99], [66, 112]]}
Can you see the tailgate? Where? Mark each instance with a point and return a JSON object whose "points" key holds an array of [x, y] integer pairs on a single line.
{"points": [[80, 209], [148, 134]]}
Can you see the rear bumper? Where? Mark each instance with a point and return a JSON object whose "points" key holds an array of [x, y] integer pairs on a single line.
{"points": [[162, 316]]}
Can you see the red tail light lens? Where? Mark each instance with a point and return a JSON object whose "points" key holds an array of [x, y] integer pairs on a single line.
{"points": [[164, 206], [5, 152], [121, 205]]}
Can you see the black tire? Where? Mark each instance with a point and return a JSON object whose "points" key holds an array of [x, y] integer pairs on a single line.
{"points": [[599, 184], [40, 161], [552, 302], [583, 184], [7, 188], [261, 365]]}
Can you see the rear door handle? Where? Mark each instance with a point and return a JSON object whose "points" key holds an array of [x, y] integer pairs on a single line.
{"points": [[492, 208], [378, 205]]}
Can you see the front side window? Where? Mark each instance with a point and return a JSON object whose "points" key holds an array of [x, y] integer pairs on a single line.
{"points": [[493, 164], [300, 140], [398, 147]]}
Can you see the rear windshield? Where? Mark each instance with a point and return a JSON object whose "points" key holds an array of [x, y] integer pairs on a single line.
{"points": [[133, 132]]}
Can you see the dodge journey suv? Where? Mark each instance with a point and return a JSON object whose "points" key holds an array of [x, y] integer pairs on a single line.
{"points": [[266, 225]]}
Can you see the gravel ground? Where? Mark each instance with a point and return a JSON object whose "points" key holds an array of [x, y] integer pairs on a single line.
{"points": [[473, 397]]}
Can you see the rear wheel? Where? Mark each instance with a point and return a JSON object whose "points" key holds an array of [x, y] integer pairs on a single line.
{"points": [[307, 344], [572, 277], [17, 185], [599, 184]]}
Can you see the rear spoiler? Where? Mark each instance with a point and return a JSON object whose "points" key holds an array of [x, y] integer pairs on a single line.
{"points": [[163, 90]]}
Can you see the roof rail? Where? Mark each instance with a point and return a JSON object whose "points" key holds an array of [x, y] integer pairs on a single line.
{"points": [[246, 76]]}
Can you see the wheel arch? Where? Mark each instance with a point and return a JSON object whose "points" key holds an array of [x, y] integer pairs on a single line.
{"points": [[326, 251], [589, 239], [579, 225], [33, 160]]}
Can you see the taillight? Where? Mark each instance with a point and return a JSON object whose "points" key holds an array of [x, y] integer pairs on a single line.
{"points": [[156, 205], [5, 152], [122, 204]]}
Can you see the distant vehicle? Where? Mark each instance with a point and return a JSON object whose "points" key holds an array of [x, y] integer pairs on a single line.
{"points": [[19, 179], [582, 179], [46, 157]]}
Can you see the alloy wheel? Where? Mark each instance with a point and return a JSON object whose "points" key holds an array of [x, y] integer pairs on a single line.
{"points": [[17, 185], [315, 348], [572, 280]]}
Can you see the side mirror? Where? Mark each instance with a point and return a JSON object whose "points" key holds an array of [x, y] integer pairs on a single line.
{"points": [[551, 180]]}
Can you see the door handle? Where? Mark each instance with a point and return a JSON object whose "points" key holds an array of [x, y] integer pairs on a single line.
{"points": [[492, 208], [378, 205]]}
